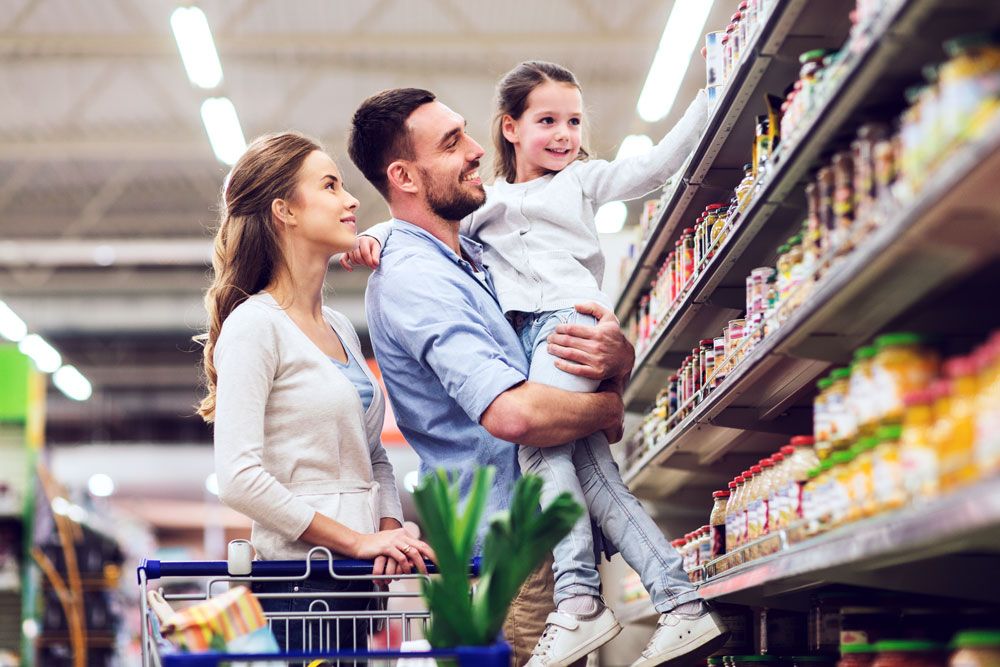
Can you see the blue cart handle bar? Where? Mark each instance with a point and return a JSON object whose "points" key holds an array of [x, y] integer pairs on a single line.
{"points": [[156, 569]]}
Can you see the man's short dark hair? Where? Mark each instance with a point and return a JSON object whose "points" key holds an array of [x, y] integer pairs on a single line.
{"points": [[379, 135]]}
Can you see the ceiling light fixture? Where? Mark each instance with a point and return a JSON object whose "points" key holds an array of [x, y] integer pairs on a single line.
{"points": [[223, 128], [12, 327], [194, 41], [72, 383], [683, 31], [611, 217], [47, 359], [634, 144]]}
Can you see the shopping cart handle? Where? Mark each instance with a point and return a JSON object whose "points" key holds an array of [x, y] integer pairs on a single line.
{"points": [[155, 569]]}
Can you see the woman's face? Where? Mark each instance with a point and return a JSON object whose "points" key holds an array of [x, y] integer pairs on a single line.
{"points": [[322, 209]]}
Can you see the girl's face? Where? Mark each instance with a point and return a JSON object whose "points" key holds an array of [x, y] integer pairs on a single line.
{"points": [[322, 211], [546, 137]]}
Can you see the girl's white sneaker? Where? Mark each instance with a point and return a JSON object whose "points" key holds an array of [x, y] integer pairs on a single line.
{"points": [[569, 637], [683, 639]]}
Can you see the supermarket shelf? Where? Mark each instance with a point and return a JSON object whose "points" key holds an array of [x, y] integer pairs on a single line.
{"points": [[714, 166], [717, 294], [951, 230], [942, 547]]}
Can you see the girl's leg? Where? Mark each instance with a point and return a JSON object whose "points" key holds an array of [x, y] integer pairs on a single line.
{"points": [[626, 524], [574, 567]]}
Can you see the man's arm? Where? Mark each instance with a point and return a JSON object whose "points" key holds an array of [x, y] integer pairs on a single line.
{"points": [[542, 416], [599, 352]]}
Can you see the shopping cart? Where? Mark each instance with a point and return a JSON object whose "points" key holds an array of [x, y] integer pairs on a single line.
{"points": [[212, 578]]}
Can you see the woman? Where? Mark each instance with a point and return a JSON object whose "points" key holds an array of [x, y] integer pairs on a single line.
{"points": [[297, 413]]}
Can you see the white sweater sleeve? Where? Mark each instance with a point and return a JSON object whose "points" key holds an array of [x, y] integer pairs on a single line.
{"points": [[246, 359], [379, 232], [632, 177]]}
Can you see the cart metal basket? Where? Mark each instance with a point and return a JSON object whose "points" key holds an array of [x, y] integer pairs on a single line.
{"points": [[382, 626]]}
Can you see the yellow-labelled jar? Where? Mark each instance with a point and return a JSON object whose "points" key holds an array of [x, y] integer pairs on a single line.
{"points": [[887, 471], [957, 451], [842, 426], [861, 394], [821, 419], [901, 364]]}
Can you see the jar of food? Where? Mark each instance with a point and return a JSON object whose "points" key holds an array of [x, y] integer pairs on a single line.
{"points": [[821, 419], [729, 55], [717, 524], [861, 392], [942, 431], [867, 625], [753, 498], [801, 457], [842, 427], [734, 342], [721, 360], [968, 81], [918, 460], [695, 371], [843, 200], [810, 503], [744, 189], [865, 192], [910, 653], [825, 182], [987, 450], [958, 465], [886, 168], [795, 271], [707, 354], [771, 323], [887, 470], [776, 493], [733, 514], [976, 648], [863, 478], [839, 498], [784, 272], [687, 254], [902, 364], [857, 655]]}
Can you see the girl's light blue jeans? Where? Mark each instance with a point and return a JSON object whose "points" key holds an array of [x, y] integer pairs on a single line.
{"points": [[586, 470]]}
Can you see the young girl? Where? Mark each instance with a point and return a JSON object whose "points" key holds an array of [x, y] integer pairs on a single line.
{"points": [[543, 253]]}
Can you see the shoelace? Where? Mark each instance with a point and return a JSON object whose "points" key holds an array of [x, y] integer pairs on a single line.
{"points": [[545, 641]]}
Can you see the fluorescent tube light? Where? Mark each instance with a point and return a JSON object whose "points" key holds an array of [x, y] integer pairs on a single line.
{"points": [[194, 40], [610, 218], [677, 45], [46, 357], [71, 382], [634, 144], [12, 327], [101, 485], [223, 128]]}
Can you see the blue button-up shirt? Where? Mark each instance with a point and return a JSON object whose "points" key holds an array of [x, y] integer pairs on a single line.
{"points": [[446, 352]]}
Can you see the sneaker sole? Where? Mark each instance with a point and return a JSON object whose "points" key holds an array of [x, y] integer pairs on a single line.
{"points": [[591, 646], [682, 657]]}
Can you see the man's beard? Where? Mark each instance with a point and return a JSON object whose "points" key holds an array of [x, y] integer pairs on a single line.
{"points": [[451, 202]]}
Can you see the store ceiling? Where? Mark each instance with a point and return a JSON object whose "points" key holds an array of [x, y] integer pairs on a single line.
{"points": [[108, 186]]}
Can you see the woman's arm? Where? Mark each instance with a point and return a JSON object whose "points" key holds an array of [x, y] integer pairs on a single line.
{"points": [[634, 176]]}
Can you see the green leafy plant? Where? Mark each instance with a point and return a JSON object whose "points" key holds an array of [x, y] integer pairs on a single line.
{"points": [[515, 544]]}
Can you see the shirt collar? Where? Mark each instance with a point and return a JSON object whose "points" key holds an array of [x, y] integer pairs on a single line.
{"points": [[471, 249]]}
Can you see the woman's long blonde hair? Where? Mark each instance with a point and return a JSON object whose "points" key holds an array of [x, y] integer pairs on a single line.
{"points": [[247, 252]]}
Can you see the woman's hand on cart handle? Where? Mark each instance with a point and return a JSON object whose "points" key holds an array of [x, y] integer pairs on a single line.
{"points": [[405, 550]]}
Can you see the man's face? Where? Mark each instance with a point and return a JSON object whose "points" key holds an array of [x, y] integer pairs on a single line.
{"points": [[447, 161]]}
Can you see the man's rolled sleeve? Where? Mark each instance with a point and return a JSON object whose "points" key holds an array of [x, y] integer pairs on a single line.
{"points": [[449, 334]]}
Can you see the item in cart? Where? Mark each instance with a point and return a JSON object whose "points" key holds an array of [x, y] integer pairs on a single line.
{"points": [[976, 648]]}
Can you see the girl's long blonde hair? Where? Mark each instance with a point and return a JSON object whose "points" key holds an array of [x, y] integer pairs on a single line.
{"points": [[247, 252], [512, 100]]}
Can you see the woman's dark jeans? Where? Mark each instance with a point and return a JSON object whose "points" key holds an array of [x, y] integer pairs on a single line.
{"points": [[314, 635]]}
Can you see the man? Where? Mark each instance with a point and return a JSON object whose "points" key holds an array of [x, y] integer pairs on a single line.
{"points": [[453, 366]]}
